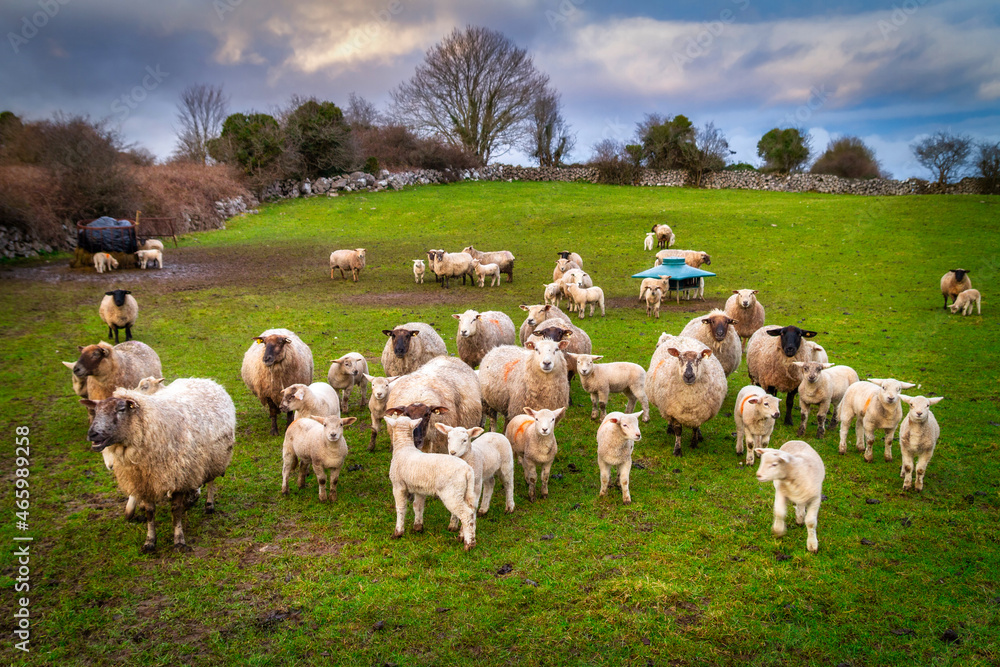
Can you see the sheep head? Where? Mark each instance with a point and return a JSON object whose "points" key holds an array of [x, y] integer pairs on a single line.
{"points": [[746, 297], [791, 338], [546, 352], [91, 358], [400, 339], [689, 367], [811, 370], [421, 416], [111, 420], [274, 348], [718, 323], [920, 406], [119, 296]]}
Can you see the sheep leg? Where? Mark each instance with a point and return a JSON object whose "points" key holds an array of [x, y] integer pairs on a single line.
{"points": [[177, 512], [454, 523], [128, 332], [677, 429], [946, 301], [289, 418], [696, 437], [594, 409], [371, 445], [805, 417], [623, 476], [343, 276], [546, 468], [889, 435], [530, 475], [869, 437], [400, 495], [485, 492], [845, 426], [149, 546], [288, 464], [780, 510], [922, 462], [273, 410], [507, 477], [419, 501], [321, 478], [740, 436], [812, 513], [632, 398], [906, 471], [303, 473], [751, 446], [130, 508], [605, 476], [790, 401], [114, 333]]}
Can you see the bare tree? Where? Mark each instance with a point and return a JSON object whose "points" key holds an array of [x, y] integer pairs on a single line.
{"points": [[550, 140], [711, 152], [988, 164], [476, 88], [200, 112], [943, 154], [360, 113]]}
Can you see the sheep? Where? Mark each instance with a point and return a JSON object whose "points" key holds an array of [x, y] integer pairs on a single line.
{"points": [[918, 435], [532, 437], [954, 283], [79, 384], [693, 258], [616, 438], [104, 262], [824, 385], [146, 256], [106, 368], [317, 399], [152, 244], [352, 260], [418, 271], [571, 256], [451, 390], [754, 414], [717, 332], [432, 263], [579, 341], [876, 404], [581, 296], [538, 314], [748, 312], [650, 240], [817, 352], [502, 258], [687, 384], [478, 333], [771, 356], [452, 265], [513, 378], [654, 297], [602, 380], [553, 294], [482, 270], [347, 372], [562, 266], [797, 472], [275, 359], [377, 403], [119, 310], [409, 347], [173, 442], [150, 385], [651, 283], [664, 236], [489, 455], [448, 477], [577, 276], [965, 300], [316, 441]]}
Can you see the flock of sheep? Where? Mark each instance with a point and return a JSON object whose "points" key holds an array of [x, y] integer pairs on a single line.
{"points": [[163, 442], [149, 253]]}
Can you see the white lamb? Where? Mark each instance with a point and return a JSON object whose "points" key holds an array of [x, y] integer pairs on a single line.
{"points": [[918, 435], [532, 437], [876, 404], [654, 298], [418, 271], [489, 455], [754, 414], [581, 296], [483, 270], [817, 353], [616, 439], [553, 294], [147, 256], [377, 403], [650, 240], [317, 399], [104, 262], [797, 472], [823, 385], [965, 300], [316, 442], [602, 380]]}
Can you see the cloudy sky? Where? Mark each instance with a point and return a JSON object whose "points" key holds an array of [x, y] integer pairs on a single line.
{"points": [[889, 72]]}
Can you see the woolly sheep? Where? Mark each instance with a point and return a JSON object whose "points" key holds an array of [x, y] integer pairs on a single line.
{"points": [[145, 257], [716, 331], [876, 404], [654, 297], [754, 414], [602, 380], [954, 283], [965, 300], [577, 276], [150, 385], [748, 312], [541, 318], [771, 356], [449, 265], [687, 384], [352, 260], [664, 236], [536, 315], [650, 240], [562, 266], [693, 258], [478, 333], [79, 384], [502, 258], [823, 385], [553, 294], [152, 244], [119, 310], [409, 347], [532, 438], [432, 256], [581, 296], [418, 271], [317, 399], [413, 472], [797, 472], [347, 372], [377, 403], [616, 439], [316, 442], [106, 368], [275, 359], [513, 378], [571, 256], [482, 270], [918, 435], [173, 442], [489, 455]]}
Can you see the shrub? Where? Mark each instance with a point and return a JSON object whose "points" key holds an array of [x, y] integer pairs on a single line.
{"points": [[988, 164], [848, 157], [943, 154], [26, 203], [616, 163], [253, 141], [371, 166], [396, 147], [740, 166], [187, 192], [784, 151], [318, 140]]}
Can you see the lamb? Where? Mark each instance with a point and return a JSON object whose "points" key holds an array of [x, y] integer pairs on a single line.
{"points": [[748, 312], [616, 439], [451, 391], [824, 385], [145, 257], [513, 378], [150, 385], [602, 380], [581, 296], [173, 442], [664, 236], [276, 359], [347, 372], [489, 455], [576, 276], [502, 258], [553, 294], [448, 477], [418, 271], [876, 404], [79, 384], [797, 472], [693, 258], [478, 333], [106, 368], [377, 403], [104, 262], [965, 300], [918, 436], [152, 244], [316, 441], [650, 239], [317, 400], [352, 260], [409, 347], [651, 283], [654, 297], [119, 310], [452, 265], [687, 384], [532, 438], [482, 270], [571, 256], [771, 356], [754, 414], [717, 332], [954, 283], [817, 352], [562, 266]]}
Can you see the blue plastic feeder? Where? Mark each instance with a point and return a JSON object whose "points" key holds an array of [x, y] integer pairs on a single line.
{"points": [[682, 276]]}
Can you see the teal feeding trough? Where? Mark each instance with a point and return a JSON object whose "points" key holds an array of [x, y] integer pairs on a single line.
{"points": [[682, 276]]}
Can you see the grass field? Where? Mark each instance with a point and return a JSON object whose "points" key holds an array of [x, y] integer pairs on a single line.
{"points": [[689, 574]]}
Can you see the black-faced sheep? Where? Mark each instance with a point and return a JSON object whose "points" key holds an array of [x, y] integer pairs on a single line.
{"points": [[108, 368], [119, 310], [409, 347], [276, 359], [771, 356], [954, 283]]}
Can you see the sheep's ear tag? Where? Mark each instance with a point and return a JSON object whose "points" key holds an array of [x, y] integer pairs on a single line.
{"points": [[258, 339], [130, 404], [288, 341]]}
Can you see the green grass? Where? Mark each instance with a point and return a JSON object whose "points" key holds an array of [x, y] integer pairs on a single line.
{"points": [[688, 574]]}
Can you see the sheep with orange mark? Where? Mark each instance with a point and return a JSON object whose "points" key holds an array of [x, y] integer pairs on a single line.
{"points": [[532, 437], [754, 414]]}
